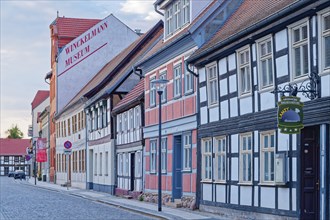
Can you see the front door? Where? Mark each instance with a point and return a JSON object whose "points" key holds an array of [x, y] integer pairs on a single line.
{"points": [[177, 168], [132, 172], [310, 166]]}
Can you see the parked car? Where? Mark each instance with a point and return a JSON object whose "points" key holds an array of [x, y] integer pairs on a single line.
{"points": [[19, 174], [11, 173]]}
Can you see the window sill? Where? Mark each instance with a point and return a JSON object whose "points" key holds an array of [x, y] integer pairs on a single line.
{"points": [[299, 79], [177, 97], [206, 181], [245, 184], [190, 92], [214, 105], [186, 170], [220, 182], [266, 89], [245, 95], [324, 72], [267, 184]]}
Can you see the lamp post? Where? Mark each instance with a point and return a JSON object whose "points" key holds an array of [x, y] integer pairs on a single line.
{"points": [[160, 84]]}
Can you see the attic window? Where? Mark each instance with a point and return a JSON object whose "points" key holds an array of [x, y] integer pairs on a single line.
{"points": [[177, 15]]}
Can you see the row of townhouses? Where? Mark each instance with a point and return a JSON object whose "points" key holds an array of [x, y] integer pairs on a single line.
{"points": [[207, 134]]}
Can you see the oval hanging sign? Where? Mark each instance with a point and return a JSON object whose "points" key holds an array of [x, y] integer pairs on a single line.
{"points": [[290, 115], [67, 144]]}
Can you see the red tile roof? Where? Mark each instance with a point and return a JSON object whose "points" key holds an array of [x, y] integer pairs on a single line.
{"points": [[13, 147], [133, 96], [41, 96], [72, 28], [248, 14]]}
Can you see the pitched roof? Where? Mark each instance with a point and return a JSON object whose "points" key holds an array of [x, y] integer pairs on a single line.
{"points": [[13, 146], [133, 96], [123, 62], [248, 14], [72, 27], [41, 96]]}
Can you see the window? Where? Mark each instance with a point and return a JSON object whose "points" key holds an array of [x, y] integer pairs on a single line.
{"points": [[246, 158], [152, 92], [267, 145], [168, 27], [83, 161], [101, 167], [6, 159], [16, 159], [22, 159], [164, 155], [207, 159], [185, 11], [153, 144], [64, 128], [69, 127], [95, 114], [299, 37], [187, 152], [265, 64], [131, 119], [106, 163], [6, 171], [138, 164], [126, 163], [244, 72], [83, 119], [177, 80], [95, 165], [79, 120], [176, 15], [212, 86], [125, 126], [325, 41], [119, 122], [220, 158], [163, 87], [120, 164], [188, 82], [137, 117], [74, 162]]}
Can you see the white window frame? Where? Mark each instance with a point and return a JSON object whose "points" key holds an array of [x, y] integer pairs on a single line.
{"points": [[323, 70], [176, 15], [169, 21], [207, 160], [164, 155], [220, 148], [269, 150], [268, 58], [245, 153], [212, 84], [185, 11], [101, 165], [188, 83], [299, 44], [163, 75], [95, 164], [244, 77], [153, 156], [152, 92], [187, 152], [177, 83]]}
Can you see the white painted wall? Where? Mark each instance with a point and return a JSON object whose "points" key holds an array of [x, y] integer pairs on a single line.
{"points": [[112, 37], [38, 109]]}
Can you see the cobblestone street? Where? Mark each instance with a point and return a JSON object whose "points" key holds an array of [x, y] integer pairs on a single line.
{"points": [[22, 201]]}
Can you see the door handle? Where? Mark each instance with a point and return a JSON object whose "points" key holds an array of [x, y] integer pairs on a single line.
{"points": [[318, 185]]}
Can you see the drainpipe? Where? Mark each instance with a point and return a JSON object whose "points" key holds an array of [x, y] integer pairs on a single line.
{"points": [[137, 69], [156, 10], [198, 185]]}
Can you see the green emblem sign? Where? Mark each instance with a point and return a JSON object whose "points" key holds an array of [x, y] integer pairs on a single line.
{"points": [[290, 115]]}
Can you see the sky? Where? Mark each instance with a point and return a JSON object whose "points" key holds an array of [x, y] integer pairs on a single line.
{"points": [[25, 46]]}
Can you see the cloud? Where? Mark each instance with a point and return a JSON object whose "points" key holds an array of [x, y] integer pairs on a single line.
{"points": [[137, 7]]}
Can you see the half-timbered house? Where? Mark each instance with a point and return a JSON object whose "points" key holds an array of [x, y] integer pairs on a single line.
{"points": [[249, 167]]}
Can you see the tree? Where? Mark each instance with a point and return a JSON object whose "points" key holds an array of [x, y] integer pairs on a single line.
{"points": [[14, 132]]}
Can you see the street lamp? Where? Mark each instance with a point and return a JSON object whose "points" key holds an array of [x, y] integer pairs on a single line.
{"points": [[160, 86]]}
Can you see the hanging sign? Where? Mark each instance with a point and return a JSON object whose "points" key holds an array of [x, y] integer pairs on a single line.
{"points": [[290, 115]]}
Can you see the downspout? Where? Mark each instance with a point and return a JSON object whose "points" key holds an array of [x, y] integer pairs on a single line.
{"points": [[156, 10], [198, 175], [137, 69]]}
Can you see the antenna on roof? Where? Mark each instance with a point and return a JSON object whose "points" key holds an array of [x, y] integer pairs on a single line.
{"points": [[57, 13]]}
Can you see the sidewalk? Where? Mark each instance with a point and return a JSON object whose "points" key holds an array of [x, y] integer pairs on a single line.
{"points": [[145, 208]]}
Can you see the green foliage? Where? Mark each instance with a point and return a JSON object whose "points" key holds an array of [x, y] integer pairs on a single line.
{"points": [[14, 132]]}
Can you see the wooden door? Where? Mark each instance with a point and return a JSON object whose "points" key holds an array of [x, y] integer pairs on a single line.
{"points": [[310, 167]]}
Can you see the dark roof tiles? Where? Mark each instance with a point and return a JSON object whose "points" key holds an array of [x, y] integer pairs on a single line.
{"points": [[13, 147]]}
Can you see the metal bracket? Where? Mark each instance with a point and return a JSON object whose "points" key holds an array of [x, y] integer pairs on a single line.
{"points": [[309, 90]]}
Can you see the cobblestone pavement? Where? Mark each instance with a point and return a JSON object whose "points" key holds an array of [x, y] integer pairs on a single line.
{"points": [[22, 201]]}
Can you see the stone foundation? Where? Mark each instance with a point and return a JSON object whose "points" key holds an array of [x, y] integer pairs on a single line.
{"points": [[185, 201]]}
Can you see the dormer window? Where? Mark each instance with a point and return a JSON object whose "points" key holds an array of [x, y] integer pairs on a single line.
{"points": [[177, 15]]}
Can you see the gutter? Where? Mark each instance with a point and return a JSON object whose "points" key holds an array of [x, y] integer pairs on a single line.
{"points": [[245, 32], [156, 10]]}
